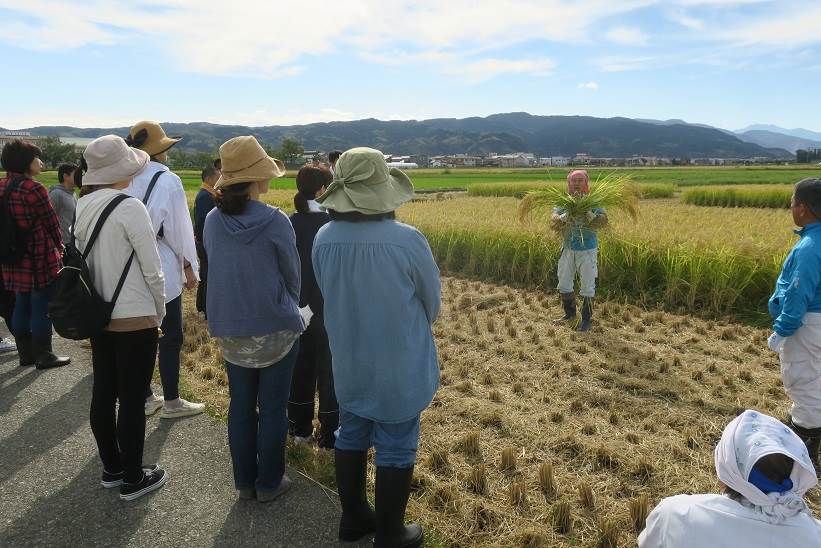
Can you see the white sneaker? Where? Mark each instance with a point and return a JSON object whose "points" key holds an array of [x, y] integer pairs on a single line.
{"points": [[175, 409], [303, 440], [153, 404], [7, 345]]}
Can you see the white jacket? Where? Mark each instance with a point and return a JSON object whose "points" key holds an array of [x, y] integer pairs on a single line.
{"points": [[168, 208], [127, 228], [716, 521]]}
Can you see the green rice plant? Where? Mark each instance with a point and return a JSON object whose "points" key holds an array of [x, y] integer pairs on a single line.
{"points": [[770, 197], [650, 191], [611, 191], [515, 190]]}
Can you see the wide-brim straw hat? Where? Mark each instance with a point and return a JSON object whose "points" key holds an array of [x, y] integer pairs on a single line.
{"points": [[245, 161], [110, 160], [150, 137], [364, 183]]}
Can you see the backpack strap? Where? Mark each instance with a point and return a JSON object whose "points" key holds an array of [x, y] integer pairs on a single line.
{"points": [[151, 186], [103, 216], [149, 190], [123, 276]]}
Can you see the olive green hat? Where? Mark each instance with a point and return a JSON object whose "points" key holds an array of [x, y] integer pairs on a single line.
{"points": [[364, 183]]}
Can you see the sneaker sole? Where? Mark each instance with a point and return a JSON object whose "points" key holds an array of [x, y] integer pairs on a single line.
{"points": [[181, 414], [149, 412], [118, 483], [146, 490]]}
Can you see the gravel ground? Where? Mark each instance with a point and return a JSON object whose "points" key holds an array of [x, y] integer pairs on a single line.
{"points": [[49, 476]]}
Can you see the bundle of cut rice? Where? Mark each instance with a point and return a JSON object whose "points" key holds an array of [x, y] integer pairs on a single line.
{"points": [[609, 192]]}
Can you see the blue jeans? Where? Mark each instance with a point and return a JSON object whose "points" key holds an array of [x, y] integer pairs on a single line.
{"points": [[257, 439], [170, 346], [31, 313], [395, 444]]}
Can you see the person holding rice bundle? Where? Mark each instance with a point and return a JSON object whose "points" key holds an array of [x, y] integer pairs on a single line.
{"points": [[764, 471], [796, 309], [579, 251]]}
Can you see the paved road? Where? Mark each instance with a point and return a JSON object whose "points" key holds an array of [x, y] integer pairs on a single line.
{"points": [[50, 493]]}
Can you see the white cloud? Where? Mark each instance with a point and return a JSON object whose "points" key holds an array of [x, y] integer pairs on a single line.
{"points": [[791, 29], [592, 86], [485, 69], [627, 36], [269, 38], [685, 20]]}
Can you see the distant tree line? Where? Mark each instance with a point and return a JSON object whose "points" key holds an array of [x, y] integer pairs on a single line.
{"points": [[56, 152], [809, 156], [289, 151]]}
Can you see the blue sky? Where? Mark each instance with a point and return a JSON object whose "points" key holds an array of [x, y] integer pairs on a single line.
{"points": [[92, 63]]}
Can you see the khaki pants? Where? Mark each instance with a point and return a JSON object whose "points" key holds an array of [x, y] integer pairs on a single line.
{"points": [[586, 264], [801, 372]]}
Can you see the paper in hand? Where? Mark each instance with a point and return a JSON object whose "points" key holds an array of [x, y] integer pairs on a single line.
{"points": [[306, 314]]}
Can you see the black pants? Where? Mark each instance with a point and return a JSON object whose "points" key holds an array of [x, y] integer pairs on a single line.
{"points": [[7, 307], [122, 364], [313, 372], [202, 287], [170, 346]]}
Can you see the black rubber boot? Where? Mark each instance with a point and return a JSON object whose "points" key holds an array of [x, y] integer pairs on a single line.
{"points": [[587, 315], [392, 492], [44, 355], [811, 438], [569, 305], [24, 350], [358, 518]]}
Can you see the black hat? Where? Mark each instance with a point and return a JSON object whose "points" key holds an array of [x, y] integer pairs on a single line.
{"points": [[808, 192]]}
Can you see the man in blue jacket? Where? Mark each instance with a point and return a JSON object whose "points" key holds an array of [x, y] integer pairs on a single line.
{"points": [[796, 308]]}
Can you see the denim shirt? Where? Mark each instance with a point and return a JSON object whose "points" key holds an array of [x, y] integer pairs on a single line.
{"points": [[798, 289], [581, 237], [382, 294]]}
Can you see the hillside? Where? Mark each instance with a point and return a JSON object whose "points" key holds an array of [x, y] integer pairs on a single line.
{"points": [[778, 140], [502, 133]]}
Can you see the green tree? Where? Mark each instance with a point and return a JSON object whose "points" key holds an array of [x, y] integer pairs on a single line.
{"points": [[291, 151], [55, 152]]}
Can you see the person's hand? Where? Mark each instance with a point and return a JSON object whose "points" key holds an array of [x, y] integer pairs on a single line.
{"points": [[564, 217], [190, 279], [776, 342], [591, 215]]}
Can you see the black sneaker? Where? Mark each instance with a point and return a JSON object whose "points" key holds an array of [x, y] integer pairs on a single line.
{"points": [[109, 480], [151, 482]]}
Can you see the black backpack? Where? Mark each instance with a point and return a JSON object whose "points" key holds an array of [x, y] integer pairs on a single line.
{"points": [[12, 237], [75, 308]]}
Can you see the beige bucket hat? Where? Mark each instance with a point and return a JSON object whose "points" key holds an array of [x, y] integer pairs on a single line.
{"points": [[245, 161], [364, 183], [150, 137], [110, 160]]}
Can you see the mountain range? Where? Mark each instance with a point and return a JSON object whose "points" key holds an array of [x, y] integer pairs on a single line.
{"points": [[500, 133]]}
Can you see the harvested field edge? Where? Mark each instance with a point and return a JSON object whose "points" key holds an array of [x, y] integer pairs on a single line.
{"points": [[540, 436], [680, 278]]}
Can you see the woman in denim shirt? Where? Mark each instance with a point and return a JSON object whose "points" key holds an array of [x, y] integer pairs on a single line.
{"points": [[382, 294]]}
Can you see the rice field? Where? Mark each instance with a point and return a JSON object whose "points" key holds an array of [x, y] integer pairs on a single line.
{"points": [[681, 257], [540, 436], [766, 196], [460, 179], [518, 190]]}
